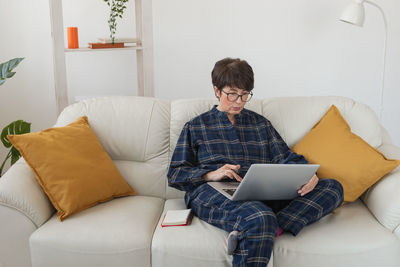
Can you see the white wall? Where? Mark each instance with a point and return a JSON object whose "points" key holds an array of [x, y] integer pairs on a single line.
{"points": [[29, 95], [295, 48]]}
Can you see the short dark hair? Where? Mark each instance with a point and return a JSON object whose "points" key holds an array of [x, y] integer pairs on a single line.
{"points": [[233, 72]]}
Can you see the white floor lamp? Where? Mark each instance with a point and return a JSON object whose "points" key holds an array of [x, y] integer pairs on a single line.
{"points": [[355, 14]]}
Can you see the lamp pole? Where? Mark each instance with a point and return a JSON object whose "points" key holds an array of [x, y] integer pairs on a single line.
{"points": [[384, 57], [354, 14]]}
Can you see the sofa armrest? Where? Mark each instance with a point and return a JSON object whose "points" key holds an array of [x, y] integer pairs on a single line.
{"points": [[397, 232], [20, 190], [383, 198]]}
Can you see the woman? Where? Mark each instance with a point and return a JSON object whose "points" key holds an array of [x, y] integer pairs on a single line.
{"points": [[222, 144]]}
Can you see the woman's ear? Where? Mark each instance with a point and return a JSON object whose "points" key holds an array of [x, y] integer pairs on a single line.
{"points": [[217, 92]]}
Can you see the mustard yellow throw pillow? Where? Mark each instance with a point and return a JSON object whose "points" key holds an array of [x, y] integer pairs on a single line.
{"points": [[72, 167], [343, 155]]}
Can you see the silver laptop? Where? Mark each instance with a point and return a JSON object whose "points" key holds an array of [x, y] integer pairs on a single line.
{"points": [[268, 182]]}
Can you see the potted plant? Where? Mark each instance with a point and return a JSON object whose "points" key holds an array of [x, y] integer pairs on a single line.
{"points": [[116, 10], [16, 127]]}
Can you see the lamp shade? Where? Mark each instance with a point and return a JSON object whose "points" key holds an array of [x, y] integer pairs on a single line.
{"points": [[354, 14]]}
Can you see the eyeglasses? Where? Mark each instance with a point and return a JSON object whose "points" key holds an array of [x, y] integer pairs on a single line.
{"points": [[232, 97]]}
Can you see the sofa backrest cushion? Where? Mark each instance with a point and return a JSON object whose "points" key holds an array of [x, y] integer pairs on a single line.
{"points": [[134, 131], [293, 117]]}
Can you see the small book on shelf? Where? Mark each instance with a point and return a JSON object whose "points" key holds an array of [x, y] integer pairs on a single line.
{"points": [[117, 40], [100, 45], [177, 218]]}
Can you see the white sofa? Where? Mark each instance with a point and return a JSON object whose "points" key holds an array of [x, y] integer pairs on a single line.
{"points": [[140, 134]]}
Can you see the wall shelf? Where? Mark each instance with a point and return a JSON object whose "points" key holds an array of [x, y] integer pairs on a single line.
{"points": [[144, 51], [87, 49]]}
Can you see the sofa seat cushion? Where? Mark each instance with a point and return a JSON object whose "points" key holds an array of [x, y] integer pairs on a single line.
{"points": [[110, 234], [350, 237], [198, 244]]}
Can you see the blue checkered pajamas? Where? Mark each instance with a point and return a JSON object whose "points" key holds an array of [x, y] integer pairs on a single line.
{"points": [[210, 141]]}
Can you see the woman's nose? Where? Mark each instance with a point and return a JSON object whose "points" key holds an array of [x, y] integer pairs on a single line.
{"points": [[239, 100]]}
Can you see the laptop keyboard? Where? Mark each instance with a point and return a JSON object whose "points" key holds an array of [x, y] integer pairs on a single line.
{"points": [[229, 191]]}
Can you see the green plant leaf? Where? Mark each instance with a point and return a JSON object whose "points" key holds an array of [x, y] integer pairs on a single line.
{"points": [[7, 67], [14, 62], [4, 69], [10, 74], [16, 127], [116, 11], [15, 155]]}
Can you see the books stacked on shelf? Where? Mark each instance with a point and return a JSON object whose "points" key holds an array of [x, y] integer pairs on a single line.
{"points": [[177, 218], [118, 43], [110, 45]]}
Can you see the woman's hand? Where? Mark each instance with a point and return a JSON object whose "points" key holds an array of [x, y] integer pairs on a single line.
{"points": [[308, 187], [226, 171]]}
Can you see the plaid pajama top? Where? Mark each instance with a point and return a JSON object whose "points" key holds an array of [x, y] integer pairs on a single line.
{"points": [[210, 141]]}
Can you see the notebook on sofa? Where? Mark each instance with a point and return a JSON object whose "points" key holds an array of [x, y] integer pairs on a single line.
{"points": [[177, 218], [268, 182]]}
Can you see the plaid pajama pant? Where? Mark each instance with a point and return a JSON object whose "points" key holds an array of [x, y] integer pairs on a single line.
{"points": [[257, 222]]}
